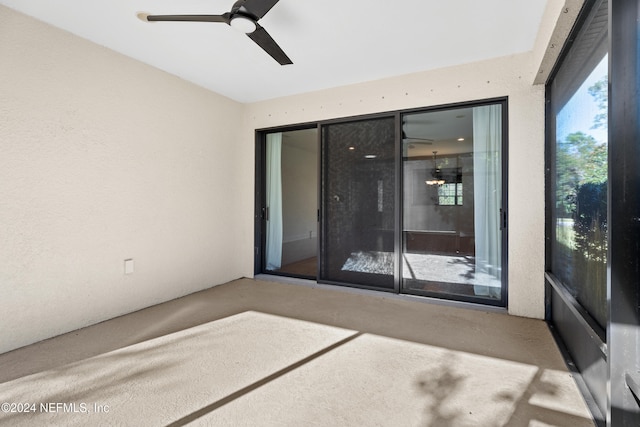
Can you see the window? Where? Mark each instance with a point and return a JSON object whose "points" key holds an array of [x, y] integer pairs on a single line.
{"points": [[450, 194], [579, 169], [577, 199]]}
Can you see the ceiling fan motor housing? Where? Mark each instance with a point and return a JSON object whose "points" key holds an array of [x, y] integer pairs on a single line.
{"points": [[243, 22]]}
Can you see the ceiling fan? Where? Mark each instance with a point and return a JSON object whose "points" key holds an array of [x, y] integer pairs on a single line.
{"points": [[416, 140], [244, 16]]}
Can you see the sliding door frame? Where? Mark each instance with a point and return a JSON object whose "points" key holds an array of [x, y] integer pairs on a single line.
{"points": [[260, 200], [260, 193], [397, 186], [504, 225]]}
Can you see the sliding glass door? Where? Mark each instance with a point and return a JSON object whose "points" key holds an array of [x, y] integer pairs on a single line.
{"points": [[452, 234], [358, 203], [407, 202]]}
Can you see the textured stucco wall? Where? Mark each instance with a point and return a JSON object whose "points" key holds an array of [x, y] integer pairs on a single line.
{"points": [[508, 76], [558, 20], [103, 158]]}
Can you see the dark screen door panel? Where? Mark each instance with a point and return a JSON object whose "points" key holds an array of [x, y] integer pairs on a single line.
{"points": [[358, 200]]}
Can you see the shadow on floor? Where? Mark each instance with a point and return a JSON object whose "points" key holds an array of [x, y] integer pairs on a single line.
{"points": [[449, 343]]}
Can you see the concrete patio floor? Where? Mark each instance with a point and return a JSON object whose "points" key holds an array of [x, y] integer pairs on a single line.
{"points": [[260, 353]]}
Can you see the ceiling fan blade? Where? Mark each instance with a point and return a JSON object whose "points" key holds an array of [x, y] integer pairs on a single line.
{"points": [[257, 8], [419, 139], [405, 136], [264, 40], [192, 18]]}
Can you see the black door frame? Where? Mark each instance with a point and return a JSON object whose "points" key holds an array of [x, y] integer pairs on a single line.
{"points": [[260, 201], [504, 209], [260, 215]]}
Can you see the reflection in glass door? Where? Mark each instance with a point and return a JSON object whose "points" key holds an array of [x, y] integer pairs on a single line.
{"points": [[358, 203], [291, 167], [452, 204], [579, 211]]}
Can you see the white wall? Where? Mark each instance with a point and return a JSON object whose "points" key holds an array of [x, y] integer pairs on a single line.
{"points": [[509, 76], [103, 158], [299, 185], [299, 195]]}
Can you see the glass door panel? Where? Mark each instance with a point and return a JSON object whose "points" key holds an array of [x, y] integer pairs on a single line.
{"points": [[291, 203], [358, 203], [452, 203]]}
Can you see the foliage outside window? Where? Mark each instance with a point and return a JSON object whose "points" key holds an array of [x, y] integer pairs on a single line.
{"points": [[580, 211]]}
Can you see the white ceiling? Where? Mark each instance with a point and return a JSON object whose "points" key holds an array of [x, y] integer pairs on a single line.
{"points": [[331, 42], [448, 132]]}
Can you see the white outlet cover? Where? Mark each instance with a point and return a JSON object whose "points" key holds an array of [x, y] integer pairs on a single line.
{"points": [[128, 266]]}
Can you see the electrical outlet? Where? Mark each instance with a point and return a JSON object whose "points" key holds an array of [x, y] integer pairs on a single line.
{"points": [[128, 266]]}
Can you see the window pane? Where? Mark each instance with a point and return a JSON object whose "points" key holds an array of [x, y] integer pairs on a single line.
{"points": [[579, 251], [447, 194]]}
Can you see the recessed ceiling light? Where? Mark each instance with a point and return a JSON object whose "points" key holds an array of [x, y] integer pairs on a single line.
{"points": [[370, 156], [460, 139], [352, 148]]}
